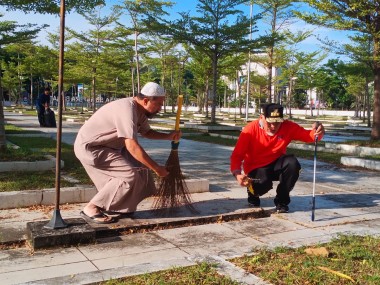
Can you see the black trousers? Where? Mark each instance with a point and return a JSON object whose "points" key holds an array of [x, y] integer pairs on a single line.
{"points": [[285, 169], [41, 116]]}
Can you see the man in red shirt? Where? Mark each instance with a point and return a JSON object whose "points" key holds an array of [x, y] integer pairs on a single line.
{"points": [[261, 151]]}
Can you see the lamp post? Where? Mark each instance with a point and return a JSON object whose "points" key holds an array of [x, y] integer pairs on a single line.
{"points": [[133, 81], [93, 85], [249, 64], [82, 99], [291, 88], [117, 79]]}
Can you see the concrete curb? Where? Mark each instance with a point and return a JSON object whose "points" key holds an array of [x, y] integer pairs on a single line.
{"points": [[26, 198], [365, 163], [352, 149], [211, 128], [68, 195]]}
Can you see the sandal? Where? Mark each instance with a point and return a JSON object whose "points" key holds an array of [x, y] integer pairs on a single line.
{"points": [[98, 218], [114, 214]]}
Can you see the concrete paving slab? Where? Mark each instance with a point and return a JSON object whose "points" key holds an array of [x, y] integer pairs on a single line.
{"points": [[13, 223], [263, 227], [295, 238], [225, 248], [114, 273], [30, 275], [366, 227], [21, 259], [164, 255], [199, 235], [125, 245]]}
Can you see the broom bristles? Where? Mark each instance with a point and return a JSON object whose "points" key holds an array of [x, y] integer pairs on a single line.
{"points": [[172, 190]]}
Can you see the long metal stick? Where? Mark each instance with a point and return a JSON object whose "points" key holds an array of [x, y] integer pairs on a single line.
{"points": [[57, 222], [315, 170]]}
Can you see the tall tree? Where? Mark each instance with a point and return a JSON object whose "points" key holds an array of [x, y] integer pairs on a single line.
{"points": [[211, 32], [50, 6], [358, 87], [231, 67], [353, 15], [11, 32], [278, 14], [163, 48], [139, 12], [360, 51], [94, 41], [17, 33], [295, 61]]}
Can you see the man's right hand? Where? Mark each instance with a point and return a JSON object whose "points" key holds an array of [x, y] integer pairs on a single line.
{"points": [[242, 179], [161, 171]]}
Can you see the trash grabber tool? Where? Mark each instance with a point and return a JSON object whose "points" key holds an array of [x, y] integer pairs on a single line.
{"points": [[315, 168]]}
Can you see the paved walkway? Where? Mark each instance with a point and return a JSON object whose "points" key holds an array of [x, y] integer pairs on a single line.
{"points": [[348, 201]]}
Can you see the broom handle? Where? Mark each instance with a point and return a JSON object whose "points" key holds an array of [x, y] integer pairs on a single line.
{"points": [[179, 109]]}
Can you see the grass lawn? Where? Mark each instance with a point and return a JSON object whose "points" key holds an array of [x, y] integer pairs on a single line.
{"points": [[22, 154], [202, 273], [349, 260], [15, 181], [345, 260]]}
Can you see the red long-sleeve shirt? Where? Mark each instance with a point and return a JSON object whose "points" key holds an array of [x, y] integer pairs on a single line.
{"points": [[255, 148]]}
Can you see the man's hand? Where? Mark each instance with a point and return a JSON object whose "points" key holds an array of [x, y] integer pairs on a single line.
{"points": [[319, 128], [161, 171], [243, 180], [175, 135]]}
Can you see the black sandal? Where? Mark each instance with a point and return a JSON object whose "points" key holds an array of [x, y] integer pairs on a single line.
{"points": [[97, 218]]}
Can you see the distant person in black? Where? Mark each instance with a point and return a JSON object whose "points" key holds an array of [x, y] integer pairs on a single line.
{"points": [[43, 102]]}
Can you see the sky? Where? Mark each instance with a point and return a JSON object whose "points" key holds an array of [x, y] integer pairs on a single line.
{"points": [[77, 22]]}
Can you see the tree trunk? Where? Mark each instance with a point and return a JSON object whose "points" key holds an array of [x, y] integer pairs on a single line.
{"points": [[3, 141], [290, 98], [171, 84], [368, 104], [356, 114], [31, 91], [239, 98], [200, 102], [205, 103], [214, 84], [375, 133]]}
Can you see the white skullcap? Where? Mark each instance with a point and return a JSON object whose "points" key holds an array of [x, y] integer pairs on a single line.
{"points": [[152, 89]]}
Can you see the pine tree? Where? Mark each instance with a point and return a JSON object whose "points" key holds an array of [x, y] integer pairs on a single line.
{"points": [[360, 16]]}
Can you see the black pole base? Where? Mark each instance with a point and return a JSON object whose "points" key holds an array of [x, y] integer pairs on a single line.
{"points": [[56, 221]]}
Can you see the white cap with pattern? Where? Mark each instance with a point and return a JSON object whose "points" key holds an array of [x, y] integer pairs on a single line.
{"points": [[152, 89]]}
